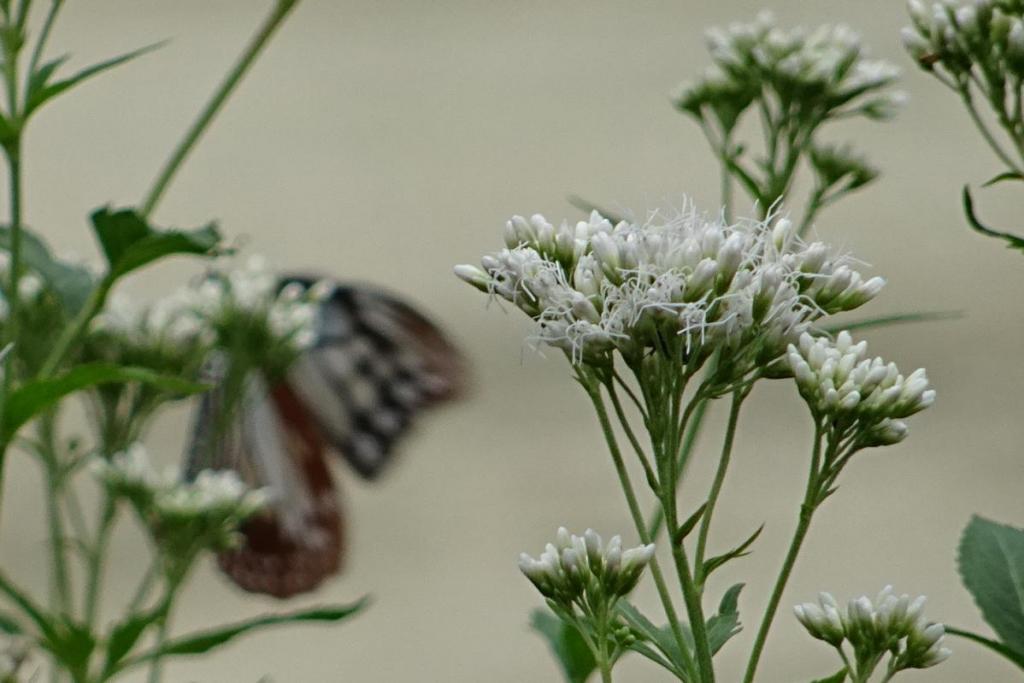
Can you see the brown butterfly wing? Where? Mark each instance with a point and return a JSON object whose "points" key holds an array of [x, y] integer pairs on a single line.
{"points": [[296, 543]]}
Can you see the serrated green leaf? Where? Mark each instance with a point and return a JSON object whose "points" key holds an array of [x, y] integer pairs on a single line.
{"points": [[43, 92], [204, 641], [1003, 177], [1013, 241], [129, 242], [724, 625], [566, 644], [70, 282], [837, 677], [994, 645], [991, 563], [31, 399], [714, 563]]}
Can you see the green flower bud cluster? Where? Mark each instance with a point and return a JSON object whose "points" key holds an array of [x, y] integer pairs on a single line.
{"points": [[893, 625], [812, 75]]}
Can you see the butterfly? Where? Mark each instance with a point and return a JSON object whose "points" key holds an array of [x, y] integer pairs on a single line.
{"points": [[376, 364]]}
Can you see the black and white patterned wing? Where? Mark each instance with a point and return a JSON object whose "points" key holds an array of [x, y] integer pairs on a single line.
{"points": [[377, 363]]}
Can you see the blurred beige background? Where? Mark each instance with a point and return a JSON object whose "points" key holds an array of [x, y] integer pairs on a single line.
{"points": [[386, 141]]}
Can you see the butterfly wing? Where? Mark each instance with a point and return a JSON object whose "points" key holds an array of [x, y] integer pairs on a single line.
{"points": [[296, 543], [376, 364]]}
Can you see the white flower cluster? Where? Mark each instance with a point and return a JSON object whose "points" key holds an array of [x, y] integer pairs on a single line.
{"points": [[824, 69], [891, 623], [837, 379], [594, 287], [205, 511], [578, 566], [960, 35], [201, 313], [252, 291], [172, 320]]}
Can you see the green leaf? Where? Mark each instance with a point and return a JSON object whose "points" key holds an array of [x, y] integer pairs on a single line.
{"points": [[1002, 177], [991, 562], [689, 524], [1013, 241], [70, 282], [895, 319], [30, 609], [566, 644], [837, 677], [72, 644], [204, 641], [40, 91], [714, 563], [31, 399], [129, 242], [724, 625], [124, 635], [660, 637], [994, 645]]}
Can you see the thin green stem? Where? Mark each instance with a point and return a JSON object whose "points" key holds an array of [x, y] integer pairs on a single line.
{"points": [[811, 497], [968, 101], [652, 478], [594, 392], [726, 179], [691, 592], [716, 486], [54, 483], [71, 334], [97, 556], [220, 96]]}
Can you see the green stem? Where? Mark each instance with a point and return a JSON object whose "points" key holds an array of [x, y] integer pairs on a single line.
{"points": [[94, 586], [634, 509], [716, 486], [803, 524], [206, 116], [726, 179], [52, 494], [965, 95], [75, 329], [652, 478], [691, 593]]}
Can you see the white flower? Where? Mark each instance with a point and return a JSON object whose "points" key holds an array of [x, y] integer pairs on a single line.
{"points": [[837, 379], [890, 624], [750, 285]]}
